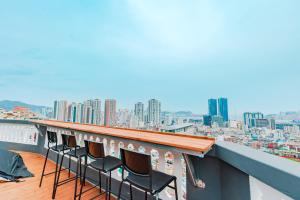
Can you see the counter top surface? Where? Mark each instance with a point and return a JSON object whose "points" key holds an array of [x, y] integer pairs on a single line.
{"points": [[178, 140]]}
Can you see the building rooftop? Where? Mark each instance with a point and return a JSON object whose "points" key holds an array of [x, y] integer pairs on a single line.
{"points": [[177, 126]]}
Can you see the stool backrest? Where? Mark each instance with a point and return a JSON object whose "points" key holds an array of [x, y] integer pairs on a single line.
{"points": [[52, 137], [69, 140], [135, 162], [94, 149]]}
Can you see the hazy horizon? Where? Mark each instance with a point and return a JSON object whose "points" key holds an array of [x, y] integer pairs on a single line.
{"points": [[180, 53]]}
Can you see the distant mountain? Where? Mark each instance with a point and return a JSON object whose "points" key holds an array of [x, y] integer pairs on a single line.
{"points": [[9, 105], [184, 114]]}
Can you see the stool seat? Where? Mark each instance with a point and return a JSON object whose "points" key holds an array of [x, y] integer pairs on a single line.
{"points": [[110, 163], [59, 147], [159, 181], [79, 152]]}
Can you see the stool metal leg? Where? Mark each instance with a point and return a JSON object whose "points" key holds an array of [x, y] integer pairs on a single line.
{"points": [[175, 186], [80, 171], [77, 169], [44, 167], [100, 181], [84, 173], [120, 190], [57, 180], [56, 168], [130, 188], [69, 166], [106, 187], [109, 189]]}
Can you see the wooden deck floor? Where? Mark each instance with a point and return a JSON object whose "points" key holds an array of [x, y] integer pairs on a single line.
{"points": [[29, 189]]}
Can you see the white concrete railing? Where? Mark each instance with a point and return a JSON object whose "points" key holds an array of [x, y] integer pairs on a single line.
{"points": [[18, 133]]}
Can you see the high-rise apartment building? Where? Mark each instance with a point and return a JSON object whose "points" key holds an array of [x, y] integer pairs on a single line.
{"points": [[96, 111], [223, 108], [110, 112], [91, 112], [55, 109], [218, 108], [250, 119], [153, 112], [139, 111], [79, 111], [212, 107], [87, 113], [72, 112], [61, 110]]}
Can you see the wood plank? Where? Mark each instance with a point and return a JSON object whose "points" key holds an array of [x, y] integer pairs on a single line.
{"points": [[178, 140], [29, 189]]}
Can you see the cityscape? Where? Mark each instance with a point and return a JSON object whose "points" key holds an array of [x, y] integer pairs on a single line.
{"points": [[277, 134], [164, 100]]}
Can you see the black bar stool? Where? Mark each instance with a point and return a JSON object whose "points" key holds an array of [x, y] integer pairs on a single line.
{"points": [[101, 163], [142, 176], [57, 148], [77, 152]]}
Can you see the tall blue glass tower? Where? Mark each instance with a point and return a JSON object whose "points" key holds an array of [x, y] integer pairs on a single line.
{"points": [[223, 108], [212, 107]]}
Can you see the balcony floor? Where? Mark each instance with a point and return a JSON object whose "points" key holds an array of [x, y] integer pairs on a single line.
{"points": [[29, 189]]}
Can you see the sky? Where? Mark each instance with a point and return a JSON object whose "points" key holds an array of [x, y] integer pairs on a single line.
{"points": [[180, 52]]}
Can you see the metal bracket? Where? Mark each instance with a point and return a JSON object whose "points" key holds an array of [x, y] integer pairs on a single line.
{"points": [[191, 170]]}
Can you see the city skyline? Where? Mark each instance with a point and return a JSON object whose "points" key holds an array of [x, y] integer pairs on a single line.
{"points": [[231, 115], [246, 52]]}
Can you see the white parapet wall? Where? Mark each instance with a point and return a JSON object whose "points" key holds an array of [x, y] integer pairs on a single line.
{"points": [[19, 133]]}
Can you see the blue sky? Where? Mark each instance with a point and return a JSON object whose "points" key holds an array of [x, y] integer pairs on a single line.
{"points": [[181, 52]]}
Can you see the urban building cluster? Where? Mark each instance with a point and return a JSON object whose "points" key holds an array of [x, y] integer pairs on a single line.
{"points": [[18, 113], [278, 134], [217, 113], [90, 112]]}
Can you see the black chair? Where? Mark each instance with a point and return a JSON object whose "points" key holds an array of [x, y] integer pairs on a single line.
{"points": [[56, 148], [142, 176], [77, 152], [102, 164]]}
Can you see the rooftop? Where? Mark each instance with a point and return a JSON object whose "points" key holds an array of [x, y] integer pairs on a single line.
{"points": [[204, 167]]}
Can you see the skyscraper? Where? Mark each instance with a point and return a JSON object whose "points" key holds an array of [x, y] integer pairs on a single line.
{"points": [[96, 111], [79, 111], [110, 112], [223, 108], [87, 112], [139, 111], [207, 120], [212, 107], [55, 110], [72, 112], [250, 118], [61, 110], [154, 110]]}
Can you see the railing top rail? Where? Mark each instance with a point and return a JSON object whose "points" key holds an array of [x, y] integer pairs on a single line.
{"points": [[177, 140], [279, 173]]}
